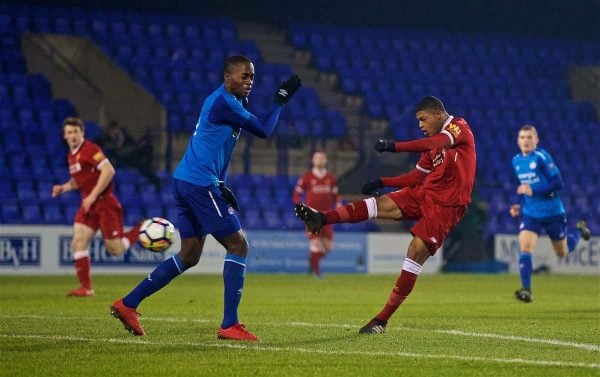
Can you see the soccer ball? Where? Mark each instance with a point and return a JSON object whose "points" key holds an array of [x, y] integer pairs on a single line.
{"points": [[156, 234]]}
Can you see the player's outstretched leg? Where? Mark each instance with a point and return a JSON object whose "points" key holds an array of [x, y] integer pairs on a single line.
{"points": [[523, 294], [314, 220], [128, 316], [132, 234], [584, 230], [375, 326]]}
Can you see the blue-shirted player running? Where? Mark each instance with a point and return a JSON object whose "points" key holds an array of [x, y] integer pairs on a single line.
{"points": [[541, 207], [204, 204]]}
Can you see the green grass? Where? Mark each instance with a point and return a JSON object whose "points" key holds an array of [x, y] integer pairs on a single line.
{"points": [[451, 325]]}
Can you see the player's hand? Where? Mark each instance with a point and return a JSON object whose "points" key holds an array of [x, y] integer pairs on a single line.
{"points": [[385, 146], [524, 190], [515, 210], [287, 89], [228, 196], [87, 203], [57, 190], [372, 187]]}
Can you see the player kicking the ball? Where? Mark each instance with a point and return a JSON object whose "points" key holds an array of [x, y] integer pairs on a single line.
{"points": [[435, 193], [204, 204]]}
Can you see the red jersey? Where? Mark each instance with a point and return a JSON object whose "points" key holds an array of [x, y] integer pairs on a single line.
{"points": [[84, 164], [451, 169], [321, 190]]}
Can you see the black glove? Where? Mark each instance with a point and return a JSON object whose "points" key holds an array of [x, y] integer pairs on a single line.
{"points": [[287, 89], [385, 146], [228, 196], [372, 187]]}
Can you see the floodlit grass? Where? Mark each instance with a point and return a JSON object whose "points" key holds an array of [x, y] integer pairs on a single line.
{"points": [[451, 325]]}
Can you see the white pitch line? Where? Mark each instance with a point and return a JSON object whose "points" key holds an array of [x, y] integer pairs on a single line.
{"points": [[555, 342], [258, 347]]}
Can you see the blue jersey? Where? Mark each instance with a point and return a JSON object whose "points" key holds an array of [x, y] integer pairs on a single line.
{"points": [[537, 169], [218, 129]]}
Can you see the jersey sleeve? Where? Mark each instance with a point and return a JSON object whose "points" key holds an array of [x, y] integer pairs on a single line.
{"points": [[456, 131], [425, 163], [229, 111], [548, 165], [94, 156]]}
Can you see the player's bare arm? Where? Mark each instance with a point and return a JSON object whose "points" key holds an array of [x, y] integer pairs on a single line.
{"points": [[65, 187]]}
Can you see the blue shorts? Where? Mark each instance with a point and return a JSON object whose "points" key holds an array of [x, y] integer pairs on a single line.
{"points": [[201, 210], [555, 226]]}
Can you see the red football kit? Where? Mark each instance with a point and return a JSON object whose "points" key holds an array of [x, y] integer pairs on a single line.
{"points": [[437, 192], [106, 213], [321, 194]]}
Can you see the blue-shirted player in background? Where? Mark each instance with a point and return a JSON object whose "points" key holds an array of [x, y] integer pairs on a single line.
{"points": [[204, 203], [540, 208]]}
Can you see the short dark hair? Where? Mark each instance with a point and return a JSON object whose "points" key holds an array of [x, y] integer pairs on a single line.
{"points": [[529, 127], [234, 60], [73, 121], [430, 103]]}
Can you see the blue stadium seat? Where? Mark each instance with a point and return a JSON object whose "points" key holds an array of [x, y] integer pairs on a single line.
{"points": [[53, 215]]}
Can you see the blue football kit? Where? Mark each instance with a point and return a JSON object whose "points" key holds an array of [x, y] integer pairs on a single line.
{"points": [[200, 204], [544, 209]]}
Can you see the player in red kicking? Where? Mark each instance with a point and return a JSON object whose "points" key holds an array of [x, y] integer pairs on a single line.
{"points": [[91, 174], [435, 193], [321, 193]]}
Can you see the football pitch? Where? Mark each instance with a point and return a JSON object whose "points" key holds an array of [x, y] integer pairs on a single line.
{"points": [[451, 325]]}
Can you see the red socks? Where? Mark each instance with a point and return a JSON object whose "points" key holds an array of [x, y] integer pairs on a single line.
{"points": [[133, 233], [83, 268], [349, 213], [404, 285], [315, 262]]}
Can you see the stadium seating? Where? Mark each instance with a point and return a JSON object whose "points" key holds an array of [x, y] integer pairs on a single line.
{"points": [[497, 82]]}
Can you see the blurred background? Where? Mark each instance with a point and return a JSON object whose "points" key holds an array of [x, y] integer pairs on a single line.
{"points": [[141, 70]]}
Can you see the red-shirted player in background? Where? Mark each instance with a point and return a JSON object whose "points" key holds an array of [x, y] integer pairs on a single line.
{"points": [[92, 173], [321, 193], [435, 194]]}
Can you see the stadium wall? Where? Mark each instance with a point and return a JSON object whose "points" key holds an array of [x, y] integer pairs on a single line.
{"points": [[32, 250], [46, 250]]}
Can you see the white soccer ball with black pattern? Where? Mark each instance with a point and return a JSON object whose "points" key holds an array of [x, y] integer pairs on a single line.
{"points": [[156, 234]]}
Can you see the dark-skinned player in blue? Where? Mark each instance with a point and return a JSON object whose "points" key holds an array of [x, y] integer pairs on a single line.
{"points": [[204, 203]]}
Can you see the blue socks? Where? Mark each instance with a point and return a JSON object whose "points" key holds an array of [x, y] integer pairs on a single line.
{"points": [[161, 276], [573, 239], [525, 269], [233, 279]]}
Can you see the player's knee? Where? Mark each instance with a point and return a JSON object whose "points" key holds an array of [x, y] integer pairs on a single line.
{"points": [[239, 247], [418, 251], [78, 243], [114, 248]]}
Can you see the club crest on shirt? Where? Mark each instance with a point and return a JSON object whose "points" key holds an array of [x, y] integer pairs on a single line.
{"points": [[532, 165], [453, 129]]}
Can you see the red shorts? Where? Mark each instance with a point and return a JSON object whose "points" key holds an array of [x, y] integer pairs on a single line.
{"points": [[434, 221], [105, 214], [326, 232]]}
